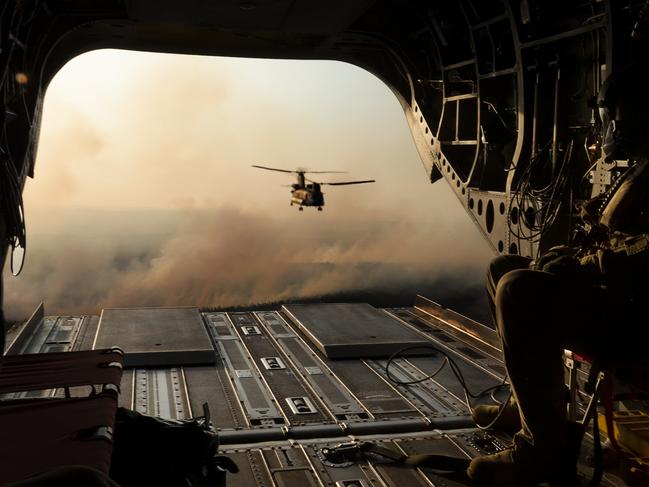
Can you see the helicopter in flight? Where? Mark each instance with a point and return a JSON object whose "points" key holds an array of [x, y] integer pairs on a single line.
{"points": [[307, 192]]}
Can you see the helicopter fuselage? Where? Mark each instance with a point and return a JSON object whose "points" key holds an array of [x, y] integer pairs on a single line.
{"points": [[307, 195]]}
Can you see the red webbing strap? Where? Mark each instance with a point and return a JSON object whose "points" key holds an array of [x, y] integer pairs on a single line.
{"points": [[48, 434], [63, 369]]}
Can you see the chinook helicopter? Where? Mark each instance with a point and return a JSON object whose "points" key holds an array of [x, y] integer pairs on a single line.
{"points": [[310, 194]]}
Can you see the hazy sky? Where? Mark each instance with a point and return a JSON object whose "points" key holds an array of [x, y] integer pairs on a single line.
{"points": [[141, 130], [143, 176]]}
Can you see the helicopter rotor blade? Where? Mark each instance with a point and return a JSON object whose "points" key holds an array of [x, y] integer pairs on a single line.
{"points": [[343, 183], [275, 169], [326, 172]]}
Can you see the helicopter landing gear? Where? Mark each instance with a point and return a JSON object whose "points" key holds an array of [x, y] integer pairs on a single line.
{"points": [[319, 208], [301, 209]]}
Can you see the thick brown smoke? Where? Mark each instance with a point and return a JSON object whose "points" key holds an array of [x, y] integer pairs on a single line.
{"points": [[81, 261]]}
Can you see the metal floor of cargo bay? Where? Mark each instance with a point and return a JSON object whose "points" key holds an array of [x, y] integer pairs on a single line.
{"points": [[283, 386]]}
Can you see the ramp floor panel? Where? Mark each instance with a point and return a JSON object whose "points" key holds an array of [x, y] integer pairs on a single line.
{"points": [[351, 330], [279, 375], [152, 330]]}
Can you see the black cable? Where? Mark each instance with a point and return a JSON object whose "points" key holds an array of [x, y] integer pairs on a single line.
{"points": [[12, 203], [5, 71], [458, 375], [11, 200], [546, 202], [522, 194], [641, 27]]}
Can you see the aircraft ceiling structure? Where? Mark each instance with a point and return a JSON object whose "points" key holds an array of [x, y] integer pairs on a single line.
{"points": [[498, 94]]}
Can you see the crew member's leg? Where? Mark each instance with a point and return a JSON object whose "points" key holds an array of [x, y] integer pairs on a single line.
{"points": [[485, 414], [538, 315], [498, 267]]}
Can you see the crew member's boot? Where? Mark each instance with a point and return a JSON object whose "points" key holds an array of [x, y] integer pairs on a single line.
{"points": [[524, 464], [508, 419]]}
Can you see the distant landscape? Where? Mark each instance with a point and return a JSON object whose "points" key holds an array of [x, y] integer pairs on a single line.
{"points": [[79, 261]]}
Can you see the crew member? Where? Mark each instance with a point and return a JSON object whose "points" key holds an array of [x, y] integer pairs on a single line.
{"points": [[592, 301]]}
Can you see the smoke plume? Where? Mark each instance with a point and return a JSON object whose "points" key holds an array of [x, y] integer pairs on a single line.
{"points": [[83, 260]]}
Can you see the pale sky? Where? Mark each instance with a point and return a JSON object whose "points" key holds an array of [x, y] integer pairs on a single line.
{"points": [[143, 179], [143, 130]]}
